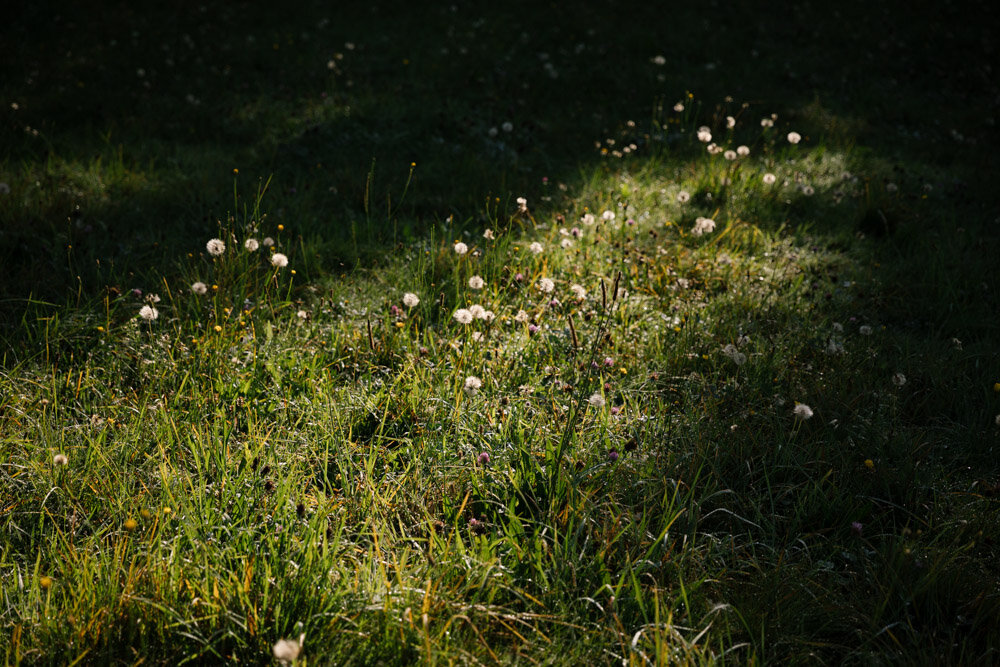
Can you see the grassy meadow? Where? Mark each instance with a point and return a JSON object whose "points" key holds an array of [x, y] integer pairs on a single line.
{"points": [[531, 334]]}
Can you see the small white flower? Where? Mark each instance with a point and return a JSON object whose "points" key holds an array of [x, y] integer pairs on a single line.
{"points": [[683, 197], [279, 260], [199, 287], [703, 226], [476, 282], [522, 205], [215, 247], [596, 400], [769, 179], [546, 285], [802, 411], [463, 316], [461, 248], [251, 245], [794, 137], [410, 300], [488, 235], [578, 291], [148, 313], [472, 385], [302, 315], [704, 134]]}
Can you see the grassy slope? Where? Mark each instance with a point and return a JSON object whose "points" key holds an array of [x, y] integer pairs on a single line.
{"points": [[320, 474]]}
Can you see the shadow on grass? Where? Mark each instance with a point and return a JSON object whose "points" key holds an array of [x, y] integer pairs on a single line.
{"points": [[128, 124]]}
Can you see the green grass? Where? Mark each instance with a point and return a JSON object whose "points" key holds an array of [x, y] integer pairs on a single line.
{"points": [[298, 453]]}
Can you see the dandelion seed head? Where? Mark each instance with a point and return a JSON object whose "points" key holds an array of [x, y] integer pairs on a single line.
{"points": [[60, 460], [463, 316], [794, 137], [251, 245], [215, 247], [148, 313], [802, 411], [683, 197], [410, 300], [472, 385], [280, 260], [546, 285], [199, 288], [461, 248], [536, 248], [703, 226], [769, 179], [596, 400], [476, 282]]}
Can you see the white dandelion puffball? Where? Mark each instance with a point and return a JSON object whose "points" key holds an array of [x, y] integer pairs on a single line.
{"points": [[489, 235], [148, 313], [729, 155], [588, 219], [267, 242], [608, 216], [802, 411], [521, 317], [794, 137], [546, 285], [865, 330], [769, 179], [679, 107], [279, 260], [743, 151], [596, 400], [251, 245], [487, 316], [476, 282], [477, 311], [704, 134], [461, 248], [703, 226], [767, 122], [898, 379], [578, 291], [472, 385], [522, 205], [463, 316], [536, 248], [286, 651], [683, 197], [410, 300], [215, 247], [60, 460], [566, 244], [199, 288]]}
